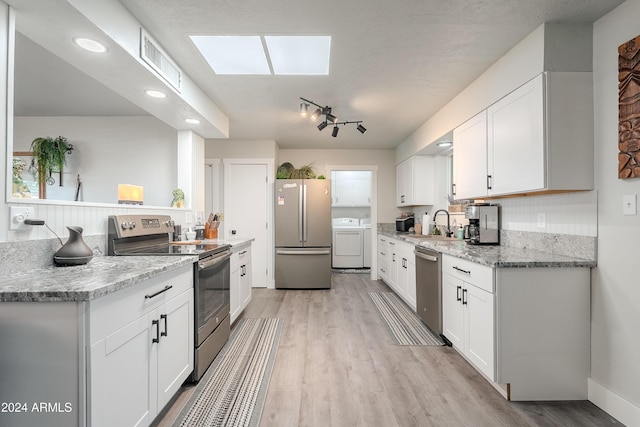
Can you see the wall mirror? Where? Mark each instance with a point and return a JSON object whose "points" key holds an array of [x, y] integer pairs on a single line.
{"points": [[115, 141]]}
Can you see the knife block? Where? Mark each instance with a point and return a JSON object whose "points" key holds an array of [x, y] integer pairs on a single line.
{"points": [[211, 233]]}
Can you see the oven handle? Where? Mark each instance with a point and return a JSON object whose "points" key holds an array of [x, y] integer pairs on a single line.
{"points": [[422, 255], [213, 260]]}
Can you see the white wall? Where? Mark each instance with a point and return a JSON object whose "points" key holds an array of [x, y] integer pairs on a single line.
{"points": [[615, 317], [109, 151], [384, 159], [233, 148]]}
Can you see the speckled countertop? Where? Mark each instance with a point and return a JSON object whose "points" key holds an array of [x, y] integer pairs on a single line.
{"points": [[493, 256], [101, 276]]}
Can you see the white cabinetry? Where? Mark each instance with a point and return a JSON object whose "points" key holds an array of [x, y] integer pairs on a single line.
{"points": [[468, 311], [415, 181], [537, 139], [525, 329], [241, 284], [397, 267], [141, 349], [351, 188], [470, 157]]}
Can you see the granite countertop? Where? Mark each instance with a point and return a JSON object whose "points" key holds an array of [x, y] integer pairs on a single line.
{"points": [[234, 242], [492, 256], [101, 276]]}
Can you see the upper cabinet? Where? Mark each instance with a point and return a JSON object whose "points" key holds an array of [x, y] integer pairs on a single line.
{"points": [[415, 181], [351, 188], [537, 138]]}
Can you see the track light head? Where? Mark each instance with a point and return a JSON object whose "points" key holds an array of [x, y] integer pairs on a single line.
{"points": [[316, 114], [361, 128], [334, 133], [331, 118], [322, 125], [304, 109]]}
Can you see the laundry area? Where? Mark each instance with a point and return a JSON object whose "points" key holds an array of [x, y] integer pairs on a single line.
{"points": [[351, 220]]}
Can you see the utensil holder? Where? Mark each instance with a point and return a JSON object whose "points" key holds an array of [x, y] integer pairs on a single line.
{"points": [[211, 233]]}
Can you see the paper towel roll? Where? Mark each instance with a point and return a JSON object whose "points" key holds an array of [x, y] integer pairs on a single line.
{"points": [[425, 223]]}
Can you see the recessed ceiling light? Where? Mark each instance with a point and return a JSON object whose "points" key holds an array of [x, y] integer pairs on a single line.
{"points": [[445, 144], [90, 45], [155, 93], [299, 55], [192, 121], [233, 54]]}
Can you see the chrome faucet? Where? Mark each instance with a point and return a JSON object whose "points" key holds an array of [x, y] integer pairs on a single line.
{"points": [[448, 233]]}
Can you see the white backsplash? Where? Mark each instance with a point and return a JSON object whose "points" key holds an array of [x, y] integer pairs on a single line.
{"points": [[566, 213]]}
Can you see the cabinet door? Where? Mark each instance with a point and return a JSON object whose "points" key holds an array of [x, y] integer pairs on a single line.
{"points": [[392, 255], [470, 158], [411, 278], [479, 322], [351, 188], [401, 184], [234, 287], [452, 313], [246, 283], [176, 346], [516, 141], [121, 384]]}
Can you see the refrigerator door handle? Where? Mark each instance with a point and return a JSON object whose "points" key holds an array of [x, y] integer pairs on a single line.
{"points": [[300, 213], [321, 252], [304, 213]]}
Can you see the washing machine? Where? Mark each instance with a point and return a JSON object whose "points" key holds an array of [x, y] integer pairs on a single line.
{"points": [[347, 249]]}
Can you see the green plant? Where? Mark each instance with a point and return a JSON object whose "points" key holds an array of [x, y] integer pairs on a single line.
{"points": [[305, 172], [50, 155], [321, 177]]}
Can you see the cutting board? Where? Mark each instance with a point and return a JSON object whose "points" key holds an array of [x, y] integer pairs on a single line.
{"points": [[187, 242]]}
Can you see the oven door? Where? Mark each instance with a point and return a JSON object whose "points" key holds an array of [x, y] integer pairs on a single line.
{"points": [[212, 293]]}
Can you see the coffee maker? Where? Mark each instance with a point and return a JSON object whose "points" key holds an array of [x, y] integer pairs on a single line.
{"points": [[484, 223]]}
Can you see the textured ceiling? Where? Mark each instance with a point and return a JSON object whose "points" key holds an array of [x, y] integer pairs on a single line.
{"points": [[393, 63]]}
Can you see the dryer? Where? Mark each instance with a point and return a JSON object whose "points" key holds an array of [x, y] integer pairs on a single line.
{"points": [[347, 249]]}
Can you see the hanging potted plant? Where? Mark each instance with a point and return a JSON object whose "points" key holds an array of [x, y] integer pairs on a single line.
{"points": [[50, 155]]}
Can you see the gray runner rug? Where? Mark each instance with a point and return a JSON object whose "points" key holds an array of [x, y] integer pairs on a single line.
{"points": [[233, 390], [403, 324]]}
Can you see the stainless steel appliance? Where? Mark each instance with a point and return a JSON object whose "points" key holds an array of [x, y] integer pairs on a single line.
{"points": [[403, 224], [484, 224], [429, 288], [130, 235], [303, 234]]}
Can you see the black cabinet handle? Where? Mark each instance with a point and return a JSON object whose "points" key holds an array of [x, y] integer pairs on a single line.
{"points": [[464, 297], [458, 288], [156, 324], [453, 189], [461, 270], [488, 182], [166, 288], [164, 317]]}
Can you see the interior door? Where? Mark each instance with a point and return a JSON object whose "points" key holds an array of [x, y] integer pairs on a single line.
{"points": [[247, 193]]}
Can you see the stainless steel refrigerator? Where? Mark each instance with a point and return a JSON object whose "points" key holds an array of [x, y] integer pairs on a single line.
{"points": [[303, 233]]}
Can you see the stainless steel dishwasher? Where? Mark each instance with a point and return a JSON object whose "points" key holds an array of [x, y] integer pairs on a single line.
{"points": [[429, 288]]}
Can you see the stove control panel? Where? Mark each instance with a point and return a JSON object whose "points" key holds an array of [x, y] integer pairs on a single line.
{"points": [[139, 225]]}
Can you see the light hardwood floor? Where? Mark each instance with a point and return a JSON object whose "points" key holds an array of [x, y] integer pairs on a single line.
{"points": [[338, 366]]}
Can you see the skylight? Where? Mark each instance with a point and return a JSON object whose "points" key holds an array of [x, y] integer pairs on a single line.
{"points": [[285, 55]]}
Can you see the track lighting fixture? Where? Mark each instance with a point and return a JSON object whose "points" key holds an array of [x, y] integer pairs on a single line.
{"points": [[329, 118]]}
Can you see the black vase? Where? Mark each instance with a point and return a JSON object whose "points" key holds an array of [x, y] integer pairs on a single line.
{"points": [[75, 251]]}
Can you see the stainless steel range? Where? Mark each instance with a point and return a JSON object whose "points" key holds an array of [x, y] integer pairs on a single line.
{"points": [[130, 235]]}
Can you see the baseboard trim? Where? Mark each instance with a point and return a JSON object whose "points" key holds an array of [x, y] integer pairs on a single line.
{"points": [[613, 404]]}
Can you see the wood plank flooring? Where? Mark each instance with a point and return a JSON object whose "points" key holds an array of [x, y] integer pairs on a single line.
{"points": [[338, 366]]}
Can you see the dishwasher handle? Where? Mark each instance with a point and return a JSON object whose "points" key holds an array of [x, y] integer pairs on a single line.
{"points": [[424, 256]]}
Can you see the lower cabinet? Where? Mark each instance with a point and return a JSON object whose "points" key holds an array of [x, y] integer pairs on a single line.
{"points": [[241, 281], [397, 267], [141, 349], [468, 313], [527, 330]]}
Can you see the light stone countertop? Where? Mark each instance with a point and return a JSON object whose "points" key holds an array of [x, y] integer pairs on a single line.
{"points": [[101, 276], [493, 255], [236, 243]]}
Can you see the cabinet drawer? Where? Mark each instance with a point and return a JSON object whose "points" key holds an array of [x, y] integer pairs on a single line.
{"points": [[478, 275], [114, 311]]}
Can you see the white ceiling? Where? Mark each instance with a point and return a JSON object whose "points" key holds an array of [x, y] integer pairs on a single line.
{"points": [[393, 63]]}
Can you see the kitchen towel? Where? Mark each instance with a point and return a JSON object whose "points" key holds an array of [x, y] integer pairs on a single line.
{"points": [[233, 390], [404, 325]]}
